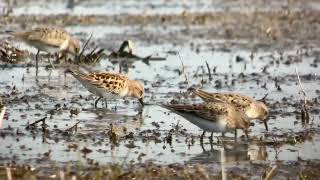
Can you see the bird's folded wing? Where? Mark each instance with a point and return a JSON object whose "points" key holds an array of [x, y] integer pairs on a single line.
{"points": [[52, 40]]}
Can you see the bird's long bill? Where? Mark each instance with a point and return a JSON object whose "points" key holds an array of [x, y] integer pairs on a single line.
{"points": [[141, 102], [266, 124]]}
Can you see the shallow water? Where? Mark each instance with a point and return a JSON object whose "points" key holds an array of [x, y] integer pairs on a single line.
{"points": [[58, 88]]}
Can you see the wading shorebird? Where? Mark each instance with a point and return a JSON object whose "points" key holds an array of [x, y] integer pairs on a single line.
{"points": [[212, 117], [110, 86], [49, 39], [252, 108]]}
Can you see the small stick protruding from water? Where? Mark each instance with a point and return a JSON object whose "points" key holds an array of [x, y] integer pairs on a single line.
{"points": [[305, 111], [263, 99], [36, 122], [271, 173], [84, 47], [184, 70], [74, 127], [208, 67]]}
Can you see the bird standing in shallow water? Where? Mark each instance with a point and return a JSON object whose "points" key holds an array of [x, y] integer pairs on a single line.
{"points": [[110, 85], [212, 117], [252, 108], [50, 40]]}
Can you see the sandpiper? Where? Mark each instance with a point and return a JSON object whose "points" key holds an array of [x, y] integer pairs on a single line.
{"points": [[110, 85], [49, 39], [252, 108], [212, 117]]}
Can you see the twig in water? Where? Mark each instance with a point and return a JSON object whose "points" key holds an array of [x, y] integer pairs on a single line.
{"points": [[208, 67], [94, 49], [271, 173], [263, 99], [184, 70], [276, 145], [84, 47], [305, 111], [202, 74], [177, 125], [99, 54], [74, 127], [36, 122]]}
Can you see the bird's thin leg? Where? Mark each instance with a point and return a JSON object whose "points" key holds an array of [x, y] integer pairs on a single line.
{"points": [[235, 135], [201, 137], [96, 102], [219, 140], [247, 135], [106, 102], [211, 138], [116, 107], [50, 62], [201, 144], [211, 141], [66, 58], [57, 57], [120, 67]]}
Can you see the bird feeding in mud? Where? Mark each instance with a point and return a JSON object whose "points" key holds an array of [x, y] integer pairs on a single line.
{"points": [[49, 39], [252, 108], [212, 117], [110, 86]]}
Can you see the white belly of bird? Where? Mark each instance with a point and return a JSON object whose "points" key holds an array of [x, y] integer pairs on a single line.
{"points": [[45, 48], [49, 48], [219, 126], [100, 92]]}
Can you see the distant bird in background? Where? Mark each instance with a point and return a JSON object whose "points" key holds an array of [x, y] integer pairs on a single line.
{"points": [[50, 40]]}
